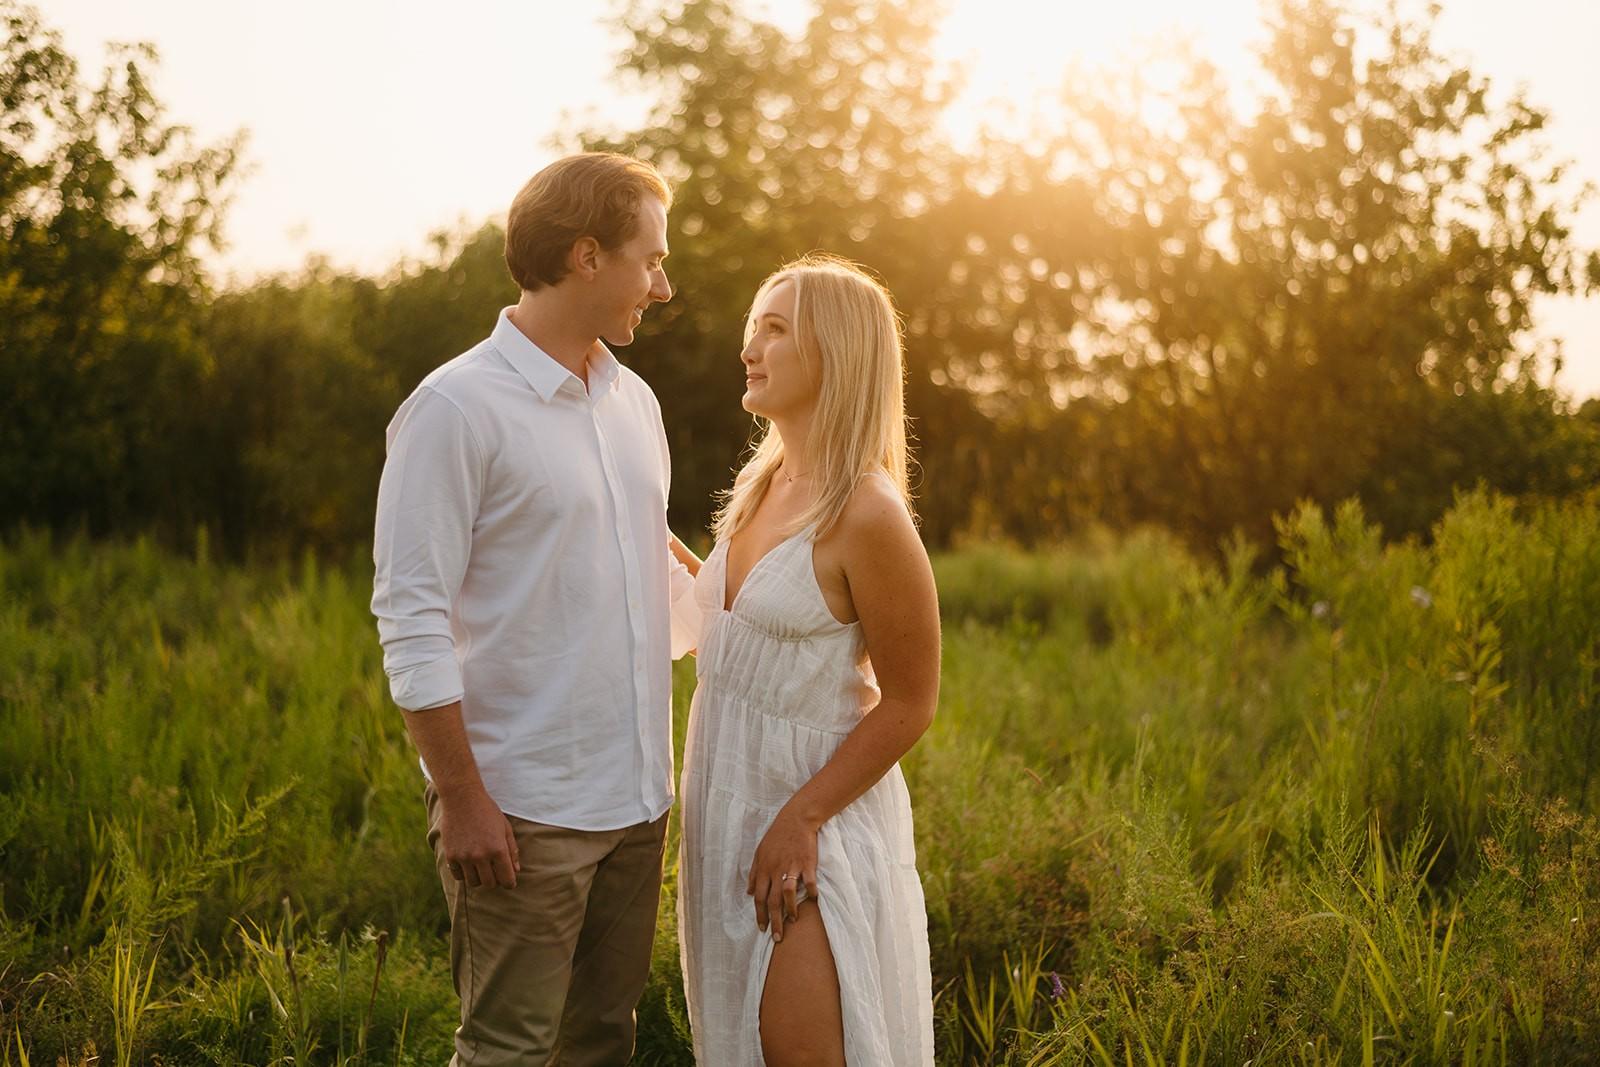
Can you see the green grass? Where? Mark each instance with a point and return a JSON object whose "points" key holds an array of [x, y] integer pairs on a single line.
{"points": [[1171, 811]]}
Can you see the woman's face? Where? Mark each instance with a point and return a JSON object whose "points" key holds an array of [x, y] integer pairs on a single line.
{"points": [[778, 382]]}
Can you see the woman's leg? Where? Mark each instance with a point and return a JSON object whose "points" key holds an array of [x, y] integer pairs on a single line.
{"points": [[801, 1022]]}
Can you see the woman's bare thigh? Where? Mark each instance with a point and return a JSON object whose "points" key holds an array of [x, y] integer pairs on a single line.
{"points": [[801, 1021]]}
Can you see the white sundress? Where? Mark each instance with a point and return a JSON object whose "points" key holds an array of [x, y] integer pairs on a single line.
{"points": [[780, 684]]}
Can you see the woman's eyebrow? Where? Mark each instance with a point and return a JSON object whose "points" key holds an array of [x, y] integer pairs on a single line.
{"points": [[771, 315]]}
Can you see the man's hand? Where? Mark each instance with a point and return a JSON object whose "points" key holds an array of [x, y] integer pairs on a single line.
{"points": [[476, 838], [475, 835]]}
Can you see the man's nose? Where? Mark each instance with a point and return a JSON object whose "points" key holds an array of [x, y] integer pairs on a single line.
{"points": [[661, 292]]}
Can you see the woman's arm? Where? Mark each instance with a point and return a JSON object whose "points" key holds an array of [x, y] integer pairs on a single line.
{"points": [[682, 566], [891, 584], [681, 553]]}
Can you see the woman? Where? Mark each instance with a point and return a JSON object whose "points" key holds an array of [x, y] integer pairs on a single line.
{"points": [[803, 929]]}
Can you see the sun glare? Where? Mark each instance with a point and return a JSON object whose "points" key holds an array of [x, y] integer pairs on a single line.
{"points": [[1016, 52]]}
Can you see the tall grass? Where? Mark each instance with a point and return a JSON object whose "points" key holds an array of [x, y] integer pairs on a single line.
{"points": [[1171, 811]]}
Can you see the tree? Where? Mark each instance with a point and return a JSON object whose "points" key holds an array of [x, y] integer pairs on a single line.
{"points": [[776, 147], [1313, 300], [1197, 318], [1160, 306], [103, 208]]}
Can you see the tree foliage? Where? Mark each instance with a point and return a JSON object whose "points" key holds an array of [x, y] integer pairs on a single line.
{"points": [[104, 206], [1164, 304], [1160, 306]]}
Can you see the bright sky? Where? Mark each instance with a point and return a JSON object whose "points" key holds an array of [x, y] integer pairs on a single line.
{"points": [[375, 122]]}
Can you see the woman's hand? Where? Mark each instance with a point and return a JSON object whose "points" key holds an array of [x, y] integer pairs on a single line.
{"points": [[789, 847]]}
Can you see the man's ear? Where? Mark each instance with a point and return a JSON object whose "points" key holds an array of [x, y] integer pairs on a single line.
{"points": [[584, 257]]}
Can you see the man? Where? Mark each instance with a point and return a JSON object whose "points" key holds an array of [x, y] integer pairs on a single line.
{"points": [[529, 608]]}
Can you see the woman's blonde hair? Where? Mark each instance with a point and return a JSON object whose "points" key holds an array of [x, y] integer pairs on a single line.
{"points": [[846, 319]]}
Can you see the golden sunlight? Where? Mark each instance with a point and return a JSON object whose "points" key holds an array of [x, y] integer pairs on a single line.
{"points": [[1015, 52]]}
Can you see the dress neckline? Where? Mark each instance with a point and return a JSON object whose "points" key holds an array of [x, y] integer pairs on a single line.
{"points": [[729, 605]]}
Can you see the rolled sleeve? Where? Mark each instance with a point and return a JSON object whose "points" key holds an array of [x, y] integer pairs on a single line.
{"points": [[428, 685], [427, 504]]}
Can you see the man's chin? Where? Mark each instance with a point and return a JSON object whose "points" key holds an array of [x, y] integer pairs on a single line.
{"points": [[619, 337]]}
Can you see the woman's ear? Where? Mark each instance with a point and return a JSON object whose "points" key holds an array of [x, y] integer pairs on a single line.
{"points": [[584, 257]]}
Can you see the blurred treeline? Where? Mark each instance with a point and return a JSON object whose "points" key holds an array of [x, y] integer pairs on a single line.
{"points": [[1157, 306]]}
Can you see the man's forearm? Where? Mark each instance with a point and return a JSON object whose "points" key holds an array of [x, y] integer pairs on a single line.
{"points": [[441, 740]]}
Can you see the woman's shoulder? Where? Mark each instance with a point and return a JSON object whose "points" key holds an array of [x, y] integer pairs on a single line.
{"points": [[876, 507]]}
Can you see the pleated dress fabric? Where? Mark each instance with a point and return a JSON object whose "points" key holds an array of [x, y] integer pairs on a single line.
{"points": [[780, 684]]}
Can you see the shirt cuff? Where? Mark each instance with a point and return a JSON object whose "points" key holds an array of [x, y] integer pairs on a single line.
{"points": [[430, 685]]}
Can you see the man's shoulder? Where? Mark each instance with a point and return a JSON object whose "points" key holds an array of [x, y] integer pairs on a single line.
{"points": [[464, 378], [467, 384]]}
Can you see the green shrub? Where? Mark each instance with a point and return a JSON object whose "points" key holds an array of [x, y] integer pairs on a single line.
{"points": [[1169, 811]]}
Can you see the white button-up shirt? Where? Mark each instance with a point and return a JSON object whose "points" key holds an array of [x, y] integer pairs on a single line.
{"points": [[523, 569]]}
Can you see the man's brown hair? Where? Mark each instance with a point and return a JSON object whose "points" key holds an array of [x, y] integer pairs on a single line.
{"points": [[594, 194]]}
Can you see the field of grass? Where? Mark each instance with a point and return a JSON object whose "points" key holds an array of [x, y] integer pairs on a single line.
{"points": [[1340, 810]]}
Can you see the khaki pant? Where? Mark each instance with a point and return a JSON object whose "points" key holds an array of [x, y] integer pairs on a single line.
{"points": [[550, 972]]}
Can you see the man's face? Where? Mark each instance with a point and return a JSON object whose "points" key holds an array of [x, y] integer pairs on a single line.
{"points": [[632, 277]]}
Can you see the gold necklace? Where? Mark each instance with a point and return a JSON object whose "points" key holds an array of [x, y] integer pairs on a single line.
{"points": [[792, 478]]}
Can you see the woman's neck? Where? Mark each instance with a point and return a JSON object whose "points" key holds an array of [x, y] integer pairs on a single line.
{"points": [[795, 433]]}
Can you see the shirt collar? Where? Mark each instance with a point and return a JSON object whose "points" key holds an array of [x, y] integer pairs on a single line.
{"points": [[540, 369], [604, 370]]}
